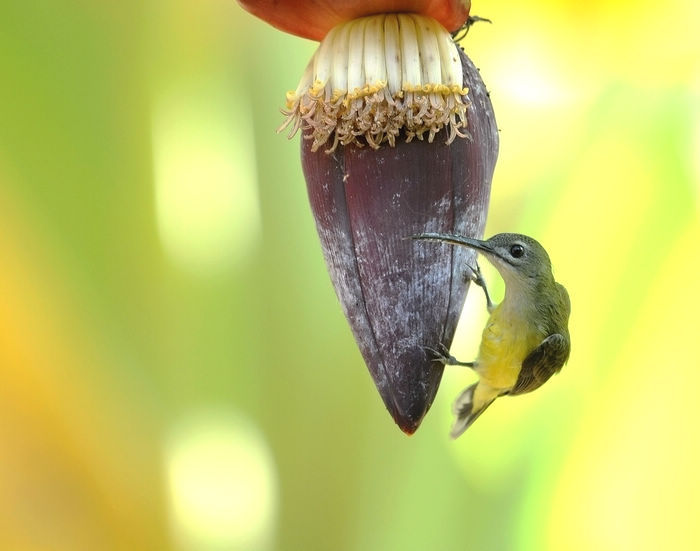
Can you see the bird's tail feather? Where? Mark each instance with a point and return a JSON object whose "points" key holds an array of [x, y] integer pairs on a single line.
{"points": [[468, 406]]}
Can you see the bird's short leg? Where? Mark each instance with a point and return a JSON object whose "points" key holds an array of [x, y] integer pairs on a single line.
{"points": [[442, 354], [477, 278]]}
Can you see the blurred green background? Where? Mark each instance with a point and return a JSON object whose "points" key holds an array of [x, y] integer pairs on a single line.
{"points": [[175, 371]]}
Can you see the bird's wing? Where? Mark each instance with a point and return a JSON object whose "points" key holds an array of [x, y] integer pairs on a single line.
{"points": [[540, 364]]}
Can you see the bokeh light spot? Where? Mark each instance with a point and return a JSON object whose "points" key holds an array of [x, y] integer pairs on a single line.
{"points": [[222, 482], [206, 200]]}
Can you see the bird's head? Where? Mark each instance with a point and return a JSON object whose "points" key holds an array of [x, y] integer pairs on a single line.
{"points": [[517, 257]]}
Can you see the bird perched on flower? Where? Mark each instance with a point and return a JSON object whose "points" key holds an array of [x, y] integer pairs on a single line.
{"points": [[526, 339]]}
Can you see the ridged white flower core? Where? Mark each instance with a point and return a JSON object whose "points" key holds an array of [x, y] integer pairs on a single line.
{"points": [[373, 77]]}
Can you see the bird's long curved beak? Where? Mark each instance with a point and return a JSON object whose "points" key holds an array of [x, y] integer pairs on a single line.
{"points": [[477, 244]]}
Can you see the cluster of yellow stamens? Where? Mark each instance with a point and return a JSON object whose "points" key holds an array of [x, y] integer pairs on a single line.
{"points": [[377, 76]]}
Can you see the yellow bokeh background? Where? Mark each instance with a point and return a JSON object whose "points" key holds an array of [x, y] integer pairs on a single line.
{"points": [[175, 371]]}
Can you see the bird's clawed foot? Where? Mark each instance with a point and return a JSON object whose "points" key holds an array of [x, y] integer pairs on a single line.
{"points": [[442, 355], [460, 33], [479, 280], [476, 276]]}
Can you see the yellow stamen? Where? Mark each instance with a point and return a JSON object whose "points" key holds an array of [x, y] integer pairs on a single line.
{"points": [[403, 77]]}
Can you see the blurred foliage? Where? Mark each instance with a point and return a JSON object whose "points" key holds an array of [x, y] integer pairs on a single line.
{"points": [[175, 371]]}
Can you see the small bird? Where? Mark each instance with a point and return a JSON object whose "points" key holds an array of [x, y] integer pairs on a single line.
{"points": [[526, 339]]}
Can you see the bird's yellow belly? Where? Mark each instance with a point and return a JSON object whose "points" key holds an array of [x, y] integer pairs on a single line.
{"points": [[504, 346]]}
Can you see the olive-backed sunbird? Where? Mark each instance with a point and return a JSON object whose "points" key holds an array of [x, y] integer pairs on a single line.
{"points": [[526, 339]]}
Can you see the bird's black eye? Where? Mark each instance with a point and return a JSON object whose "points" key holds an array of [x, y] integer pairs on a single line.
{"points": [[516, 251]]}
